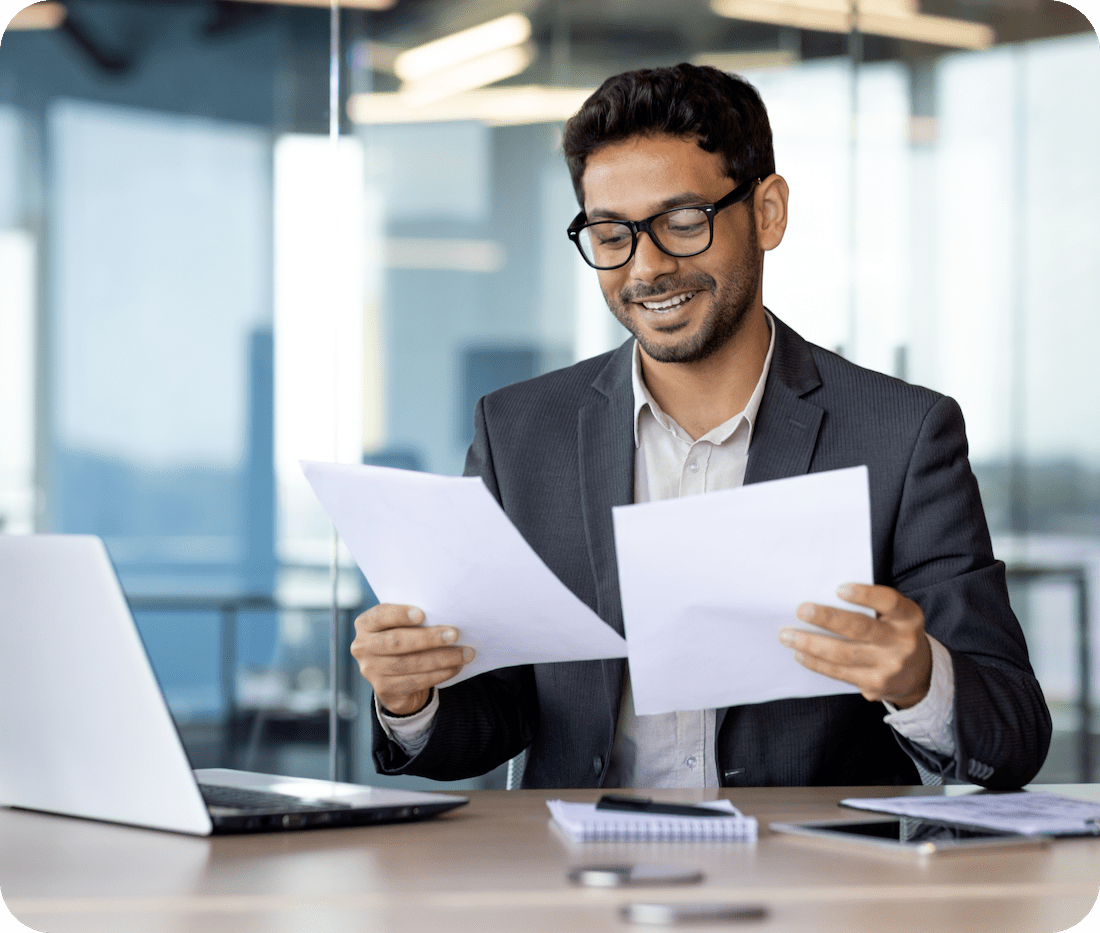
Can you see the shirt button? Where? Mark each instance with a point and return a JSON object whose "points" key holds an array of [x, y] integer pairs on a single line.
{"points": [[694, 466], [690, 762], [597, 764]]}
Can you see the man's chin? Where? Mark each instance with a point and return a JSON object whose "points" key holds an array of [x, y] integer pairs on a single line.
{"points": [[677, 351], [663, 344]]}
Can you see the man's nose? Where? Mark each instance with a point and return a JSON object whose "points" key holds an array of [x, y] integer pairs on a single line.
{"points": [[649, 262]]}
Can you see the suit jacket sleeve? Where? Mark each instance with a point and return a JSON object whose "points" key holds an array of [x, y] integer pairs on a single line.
{"points": [[944, 561], [484, 721]]}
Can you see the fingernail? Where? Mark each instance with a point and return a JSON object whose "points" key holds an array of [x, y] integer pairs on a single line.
{"points": [[468, 655], [448, 635], [805, 612], [787, 637], [416, 615], [845, 591]]}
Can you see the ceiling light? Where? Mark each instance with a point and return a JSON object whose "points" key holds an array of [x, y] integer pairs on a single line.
{"points": [[744, 61], [504, 106], [47, 15], [898, 19], [502, 33], [345, 4], [488, 69]]}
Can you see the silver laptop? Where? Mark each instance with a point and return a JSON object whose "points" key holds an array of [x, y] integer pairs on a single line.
{"points": [[85, 730]]}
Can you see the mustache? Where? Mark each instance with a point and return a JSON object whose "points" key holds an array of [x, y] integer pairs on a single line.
{"points": [[699, 282]]}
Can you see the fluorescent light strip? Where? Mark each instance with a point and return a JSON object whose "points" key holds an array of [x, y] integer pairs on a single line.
{"points": [[834, 17], [47, 15], [506, 106], [743, 61], [488, 69], [345, 4], [937, 30], [502, 33]]}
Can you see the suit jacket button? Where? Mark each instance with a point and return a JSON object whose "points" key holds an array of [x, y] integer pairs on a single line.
{"points": [[597, 764]]}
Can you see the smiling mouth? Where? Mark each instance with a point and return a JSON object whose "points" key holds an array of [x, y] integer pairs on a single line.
{"points": [[669, 304]]}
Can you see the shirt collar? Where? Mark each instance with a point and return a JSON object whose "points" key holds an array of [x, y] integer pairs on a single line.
{"points": [[642, 398]]}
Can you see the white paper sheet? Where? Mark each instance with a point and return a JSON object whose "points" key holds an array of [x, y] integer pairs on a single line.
{"points": [[444, 544], [707, 582], [1022, 812]]}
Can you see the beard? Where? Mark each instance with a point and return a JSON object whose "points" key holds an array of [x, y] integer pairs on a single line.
{"points": [[732, 298]]}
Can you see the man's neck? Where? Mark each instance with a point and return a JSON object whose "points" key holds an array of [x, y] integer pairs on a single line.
{"points": [[702, 395]]}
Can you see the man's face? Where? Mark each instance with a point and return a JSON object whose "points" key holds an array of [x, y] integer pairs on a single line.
{"points": [[681, 310]]}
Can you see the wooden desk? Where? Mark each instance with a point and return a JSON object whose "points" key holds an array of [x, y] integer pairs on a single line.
{"points": [[497, 866]]}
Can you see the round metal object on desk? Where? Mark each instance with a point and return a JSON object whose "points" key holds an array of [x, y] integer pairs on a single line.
{"points": [[620, 876], [669, 914]]}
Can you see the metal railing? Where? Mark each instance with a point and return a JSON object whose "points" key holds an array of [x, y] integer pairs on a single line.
{"points": [[1077, 576], [234, 717]]}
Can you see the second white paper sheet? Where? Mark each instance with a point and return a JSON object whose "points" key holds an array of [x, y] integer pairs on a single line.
{"points": [[444, 544], [708, 581]]}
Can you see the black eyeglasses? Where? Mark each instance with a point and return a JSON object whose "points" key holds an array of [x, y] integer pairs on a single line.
{"points": [[680, 231]]}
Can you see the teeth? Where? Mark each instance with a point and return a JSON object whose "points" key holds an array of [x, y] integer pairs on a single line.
{"points": [[670, 304]]}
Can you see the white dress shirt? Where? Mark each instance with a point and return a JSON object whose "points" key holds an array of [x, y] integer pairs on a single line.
{"points": [[677, 749]]}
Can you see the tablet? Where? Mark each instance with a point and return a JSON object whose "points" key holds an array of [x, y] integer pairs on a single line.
{"points": [[906, 835]]}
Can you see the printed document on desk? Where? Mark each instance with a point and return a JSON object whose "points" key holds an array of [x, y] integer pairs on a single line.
{"points": [[708, 581], [1028, 812], [444, 544]]}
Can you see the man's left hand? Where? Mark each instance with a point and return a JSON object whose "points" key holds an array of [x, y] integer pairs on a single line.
{"points": [[887, 657]]}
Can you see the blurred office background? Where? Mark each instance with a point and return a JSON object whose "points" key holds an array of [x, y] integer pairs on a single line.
{"points": [[199, 287]]}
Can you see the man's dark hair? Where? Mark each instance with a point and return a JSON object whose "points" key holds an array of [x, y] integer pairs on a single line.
{"points": [[722, 112]]}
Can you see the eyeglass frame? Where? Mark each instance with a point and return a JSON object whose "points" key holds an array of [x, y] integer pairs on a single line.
{"points": [[736, 196]]}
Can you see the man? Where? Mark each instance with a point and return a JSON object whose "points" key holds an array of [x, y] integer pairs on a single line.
{"points": [[675, 175]]}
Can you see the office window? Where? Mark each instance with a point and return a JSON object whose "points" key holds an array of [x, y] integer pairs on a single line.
{"points": [[18, 295], [158, 262], [196, 292], [320, 263]]}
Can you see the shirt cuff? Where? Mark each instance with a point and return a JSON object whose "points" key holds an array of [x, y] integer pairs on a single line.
{"points": [[409, 732], [930, 723]]}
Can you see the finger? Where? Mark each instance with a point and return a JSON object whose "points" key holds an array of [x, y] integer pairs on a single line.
{"points": [[857, 677], [884, 600], [423, 662], [409, 640], [843, 622], [826, 648], [386, 616]]}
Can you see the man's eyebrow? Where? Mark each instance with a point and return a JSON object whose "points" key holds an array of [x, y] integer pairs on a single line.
{"points": [[677, 200]]}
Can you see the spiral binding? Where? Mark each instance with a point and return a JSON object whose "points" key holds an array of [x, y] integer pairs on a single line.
{"points": [[598, 826]]}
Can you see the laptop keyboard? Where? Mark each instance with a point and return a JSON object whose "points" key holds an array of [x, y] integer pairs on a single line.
{"points": [[244, 798]]}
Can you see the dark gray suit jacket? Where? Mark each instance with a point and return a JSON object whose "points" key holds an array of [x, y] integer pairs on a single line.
{"points": [[558, 453]]}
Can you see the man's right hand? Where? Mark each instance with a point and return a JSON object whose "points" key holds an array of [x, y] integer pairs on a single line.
{"points": [[402, 658]]}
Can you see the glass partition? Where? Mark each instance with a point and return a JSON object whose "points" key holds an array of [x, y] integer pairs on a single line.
{"points": [[199, 287]]}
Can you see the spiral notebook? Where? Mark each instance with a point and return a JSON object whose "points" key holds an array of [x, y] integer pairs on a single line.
{"points": [[582, 822]]}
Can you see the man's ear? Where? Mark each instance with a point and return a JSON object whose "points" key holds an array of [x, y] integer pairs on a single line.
{"points": [[770, 206]]}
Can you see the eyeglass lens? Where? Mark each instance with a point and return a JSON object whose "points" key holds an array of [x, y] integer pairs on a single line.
{"points": [[681, 232]]}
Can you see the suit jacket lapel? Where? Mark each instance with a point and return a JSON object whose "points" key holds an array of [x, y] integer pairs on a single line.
{"points": [[786, 428], [605, 441], [606, 451]]}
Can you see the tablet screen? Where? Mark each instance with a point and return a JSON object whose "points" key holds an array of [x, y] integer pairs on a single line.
{"points": [[907, 829]]}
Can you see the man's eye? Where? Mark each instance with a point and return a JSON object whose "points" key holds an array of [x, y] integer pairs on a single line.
{"points": [[686, 229], [612, 237], [686, 223]]}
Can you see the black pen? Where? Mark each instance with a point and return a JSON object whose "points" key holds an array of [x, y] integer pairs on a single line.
{"points": [[645, 805]]}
